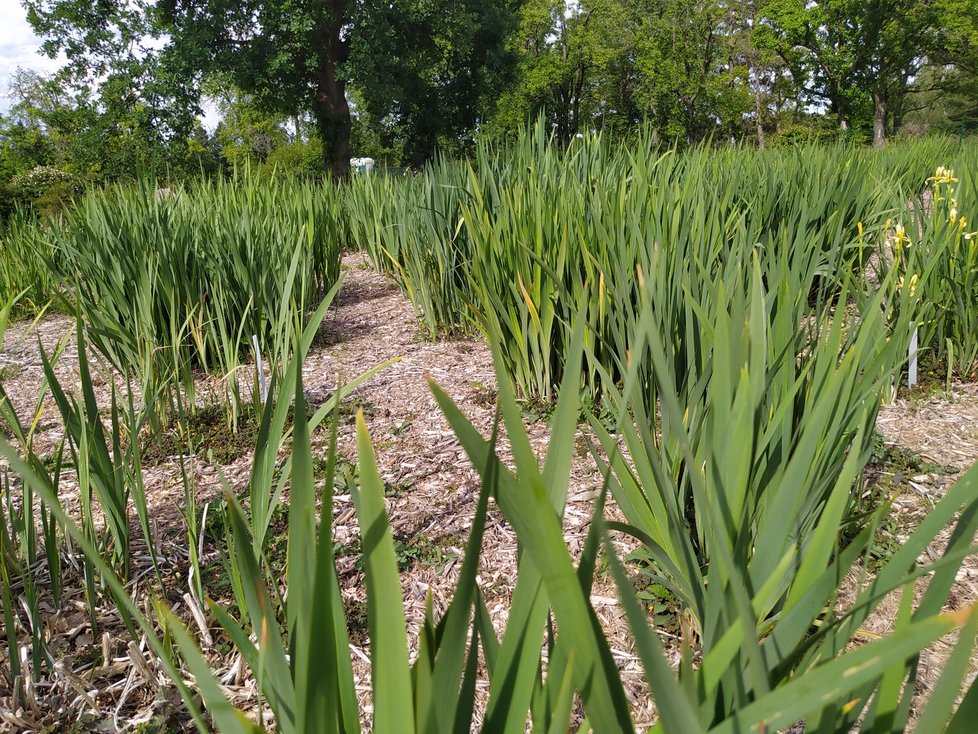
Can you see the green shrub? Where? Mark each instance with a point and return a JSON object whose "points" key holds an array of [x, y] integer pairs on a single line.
{"points": [[47, 189]]}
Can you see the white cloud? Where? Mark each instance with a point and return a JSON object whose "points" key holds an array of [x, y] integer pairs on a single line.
{"points": [[18, 47]]}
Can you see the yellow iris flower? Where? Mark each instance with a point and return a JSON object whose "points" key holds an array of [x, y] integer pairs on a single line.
{"points": [[911, 284]]}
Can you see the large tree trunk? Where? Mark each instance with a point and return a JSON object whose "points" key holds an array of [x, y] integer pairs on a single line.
{"points": [[331, 109], [759, 114], [896, 112], [879, 120], [334, 123]]}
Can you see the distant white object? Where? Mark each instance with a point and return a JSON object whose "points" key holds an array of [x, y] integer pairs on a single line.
{"points": [[362, 165]]}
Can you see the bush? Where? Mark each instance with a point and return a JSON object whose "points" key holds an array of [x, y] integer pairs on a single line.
{"points": [[45, 188], [302, 159], [173, 282], [799, 134], [7, 201]]}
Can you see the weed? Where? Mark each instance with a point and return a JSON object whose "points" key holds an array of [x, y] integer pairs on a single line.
{"points": [[156, 725], [425, 552], [661, 604], [404, 426], [356, 621], [208, 430], [536, 409], [898, 462], [397, 490], [349, 409], [484, 396], [886, 479], [10, 371]]}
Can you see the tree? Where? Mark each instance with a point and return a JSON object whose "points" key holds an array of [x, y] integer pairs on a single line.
{"points": [[431, 69], [265, 142], [245, 133], [111, 136], [682, 66], [870, 49], [693, 77], [540, 44], [433, 59], [944, 98]]}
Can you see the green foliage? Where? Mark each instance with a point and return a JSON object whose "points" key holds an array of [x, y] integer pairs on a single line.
{"points": [[691, 75], [763, 670], [434, 80], [430, 79], [707, 69], [412, 228], [723, 520], [863, 55], [517, 240], [254, 139], [933, 245], [207, 431], [458, 71], [47, 189], [713, 308], [170, 280], [28, 275], [114, 137], [945, 99], [793, 134], [300, 158]]}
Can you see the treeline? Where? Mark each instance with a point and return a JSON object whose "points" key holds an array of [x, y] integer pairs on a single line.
{"points": [[303, 86]]}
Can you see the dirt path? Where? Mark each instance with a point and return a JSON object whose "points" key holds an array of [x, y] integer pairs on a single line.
{"points": [[933, 432]]}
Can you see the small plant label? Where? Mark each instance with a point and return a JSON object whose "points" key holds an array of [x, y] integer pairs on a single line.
{"points": [[912, 368], [260, 369]]}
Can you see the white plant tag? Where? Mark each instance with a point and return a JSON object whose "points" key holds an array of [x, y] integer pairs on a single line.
{"points": [[262, 383], [912, 369]]}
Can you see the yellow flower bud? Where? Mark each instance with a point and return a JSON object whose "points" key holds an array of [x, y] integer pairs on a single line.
{"points": [[911, 284]]}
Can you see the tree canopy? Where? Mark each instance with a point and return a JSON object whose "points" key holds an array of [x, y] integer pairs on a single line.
{"points": [[300, 80], [429, 65]]}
